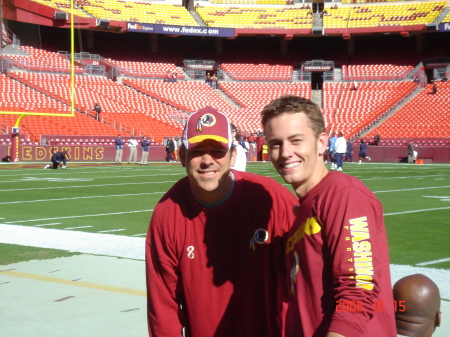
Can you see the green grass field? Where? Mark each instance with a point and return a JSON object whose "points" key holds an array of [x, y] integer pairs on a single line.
{"points": [[113, 199]]}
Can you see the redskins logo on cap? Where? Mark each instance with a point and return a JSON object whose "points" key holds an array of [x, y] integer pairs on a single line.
{"points": [[260, 237], [205, 120]]}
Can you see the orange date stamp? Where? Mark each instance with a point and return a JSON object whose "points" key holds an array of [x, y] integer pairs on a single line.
{"points": [[353, 306]]}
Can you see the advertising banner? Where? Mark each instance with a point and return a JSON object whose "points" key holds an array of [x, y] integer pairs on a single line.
{"points": [[179, 30]]}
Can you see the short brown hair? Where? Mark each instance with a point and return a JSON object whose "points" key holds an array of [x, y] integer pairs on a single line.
{"points": [[293, 104]]}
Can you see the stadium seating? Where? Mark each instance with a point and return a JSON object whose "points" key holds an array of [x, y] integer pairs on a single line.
{"points": [[375, 72], [382, 15], [41, 60], [258, 72], [63, 5], [145, 12], [122, 107], [425, 116], [256, 17], [348, 110], [145, 68]]}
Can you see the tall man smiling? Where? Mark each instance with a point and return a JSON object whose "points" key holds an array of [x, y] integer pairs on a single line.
{"points": [[336, 250], [214, 258]]}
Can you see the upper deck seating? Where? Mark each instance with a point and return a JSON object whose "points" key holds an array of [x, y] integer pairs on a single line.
{"points": [[63, 5], [252, 17], [382, 15], [144, 12]]}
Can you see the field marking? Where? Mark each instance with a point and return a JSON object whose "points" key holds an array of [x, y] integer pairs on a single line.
{"points": [[432, 262], [48, 224], [134, 248], [418, 211], [84, 186], [77, 198], [112, 230], [79, 216], [78, 227], [81, 284], [412, 189], [74, 241]]}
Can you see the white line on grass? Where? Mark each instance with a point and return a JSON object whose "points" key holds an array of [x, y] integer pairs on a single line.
{"points": [[84, 186], [432, 262], [79, 216], [48, 224], [75, 198], [418, 211], [412, 189], [112, 230], [78, 227]]}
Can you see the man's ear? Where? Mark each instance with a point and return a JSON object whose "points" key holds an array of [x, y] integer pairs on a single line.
{"points": [[437, 322], [233, 156], [182, 155], [322, 143]]}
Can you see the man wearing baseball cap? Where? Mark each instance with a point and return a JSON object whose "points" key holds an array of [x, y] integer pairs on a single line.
{"points": [[214, 263]]}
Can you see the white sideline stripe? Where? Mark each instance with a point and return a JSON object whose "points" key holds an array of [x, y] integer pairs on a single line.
{"points": [[82, 242], [77, 198], [79, 216], [432, 262], [418, 211], [134, 248], [112, 230], [48, 224], [84, 186], [413, 189], [77, 227]]}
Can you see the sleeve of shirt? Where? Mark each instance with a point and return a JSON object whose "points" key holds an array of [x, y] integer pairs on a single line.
{"points": [[356, 252], [163, 296]]}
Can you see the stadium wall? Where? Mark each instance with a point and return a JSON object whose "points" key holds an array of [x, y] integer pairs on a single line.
{"points": [[102, 153]]}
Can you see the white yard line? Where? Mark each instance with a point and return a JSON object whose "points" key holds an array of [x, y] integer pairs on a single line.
{"points": [[418, 211], [79, 216], [83, 186], [84, 197], [432, 262]]}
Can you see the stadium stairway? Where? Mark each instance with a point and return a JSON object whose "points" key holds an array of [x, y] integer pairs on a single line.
{"points": [[197, 18], [227, 98]]}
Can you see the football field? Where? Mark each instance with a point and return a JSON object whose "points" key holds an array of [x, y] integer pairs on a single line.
{"points": [[103, 210]]}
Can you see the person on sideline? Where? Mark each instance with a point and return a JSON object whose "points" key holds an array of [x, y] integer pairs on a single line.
{"points": [[132, 144], [363, 151], [58, 160], [119, 149], [170, 148], [418, 306], [340, 149], [411, 152], [336, 250], [241, 156], [145, 143], [214, 260], [349, 153], [332, 151]]}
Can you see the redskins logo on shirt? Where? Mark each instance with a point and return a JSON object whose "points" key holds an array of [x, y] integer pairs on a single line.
{"points": [[205, 120], [260, 236]]}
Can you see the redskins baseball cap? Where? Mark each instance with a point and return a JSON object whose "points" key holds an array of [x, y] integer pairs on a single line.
{"points": [[207, 123]]}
